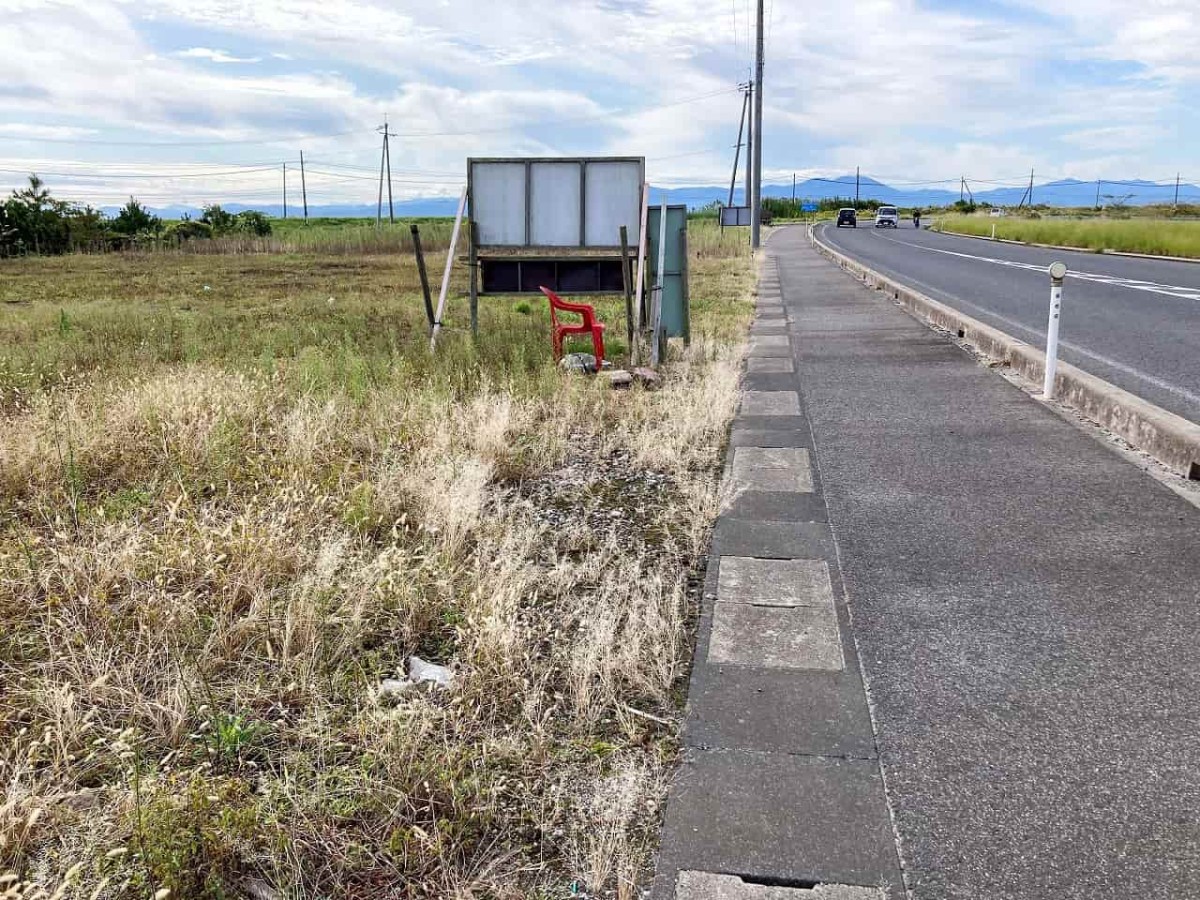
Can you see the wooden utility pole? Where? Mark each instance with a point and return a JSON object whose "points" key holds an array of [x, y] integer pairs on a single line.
{"points": [[385, 164], [756, 203], [962, 186], [793, 189], [1031, 188], [857, 175], [303, 187], [285, 190], [1097, 193], [1176, 204]]}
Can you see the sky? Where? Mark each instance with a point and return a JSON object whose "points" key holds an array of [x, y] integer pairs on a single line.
{"points": [[197, 101]]}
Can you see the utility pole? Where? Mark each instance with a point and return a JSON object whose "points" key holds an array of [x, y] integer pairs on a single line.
{"points": [[737, 151], [749, 146], [303, 187], [1176, 204], [1031, 188], [793, 189], [1097, 193], [385, 164], [285, 190], [756, 204], [962, 186], [857, 176]]}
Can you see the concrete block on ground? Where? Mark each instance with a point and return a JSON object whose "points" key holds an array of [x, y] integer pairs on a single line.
{"points": [[772, 540], [770, 403], [775, 506], [767, 364], [781, 817], [772, 469], [775, 637], [693, 885], [774, 582]]}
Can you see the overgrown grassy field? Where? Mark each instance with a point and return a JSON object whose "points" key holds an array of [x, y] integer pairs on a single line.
{"points": [[1157, 236], [237, 492]]}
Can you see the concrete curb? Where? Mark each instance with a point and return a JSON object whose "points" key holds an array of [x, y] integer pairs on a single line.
{"points": [[1171, 439], [991, 240]]}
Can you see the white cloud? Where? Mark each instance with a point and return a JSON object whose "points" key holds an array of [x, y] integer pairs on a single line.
{"points": [[216, 56], [44, 132], [900, 87]]}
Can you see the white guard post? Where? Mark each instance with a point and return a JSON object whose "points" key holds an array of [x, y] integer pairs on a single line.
{"points": [[1058, 271], [441, 308]]}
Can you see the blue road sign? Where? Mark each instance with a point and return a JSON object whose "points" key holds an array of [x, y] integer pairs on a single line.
{"points": [[808, 207]]}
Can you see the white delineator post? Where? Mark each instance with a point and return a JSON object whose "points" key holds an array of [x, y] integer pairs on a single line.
{"points": [[1058, 271]]}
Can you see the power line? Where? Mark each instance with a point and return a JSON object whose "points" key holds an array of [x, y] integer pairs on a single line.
{"points": [[292, 139], [92, 174]]}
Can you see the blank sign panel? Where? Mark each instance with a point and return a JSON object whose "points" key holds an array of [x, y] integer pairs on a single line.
{"points": [[612, 198], [498, 202], [554, 204]]}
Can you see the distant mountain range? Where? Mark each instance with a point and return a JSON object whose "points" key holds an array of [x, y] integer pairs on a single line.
{"points": [[1069, 192]]}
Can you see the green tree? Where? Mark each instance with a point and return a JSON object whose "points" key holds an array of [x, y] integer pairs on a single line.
{"points": [[135, 219], [32, 221], [251, 221], [218, 220]]}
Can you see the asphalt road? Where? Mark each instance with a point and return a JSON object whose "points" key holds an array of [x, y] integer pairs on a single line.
{"points": [[1133, 322]]}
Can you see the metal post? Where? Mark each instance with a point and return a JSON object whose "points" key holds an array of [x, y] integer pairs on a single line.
{"points": [[756, 203], [737, 150], [627, 284], [1058, 271], [285, 190], [473, 266]]}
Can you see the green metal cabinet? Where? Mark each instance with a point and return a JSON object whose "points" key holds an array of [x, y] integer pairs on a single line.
{"points": [[675, 318]]}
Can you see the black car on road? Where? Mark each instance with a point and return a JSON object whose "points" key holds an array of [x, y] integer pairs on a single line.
{"points": [[847, 216]]}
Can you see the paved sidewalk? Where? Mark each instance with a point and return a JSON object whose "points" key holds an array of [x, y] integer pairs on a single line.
{"points": [[780, 785], [1026, 604]]}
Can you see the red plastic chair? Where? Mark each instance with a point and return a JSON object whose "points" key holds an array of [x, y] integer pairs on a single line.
{"points": [[589, 325]]}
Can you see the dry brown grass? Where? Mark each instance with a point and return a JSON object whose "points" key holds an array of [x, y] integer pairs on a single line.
{"points": [[207, 569]]}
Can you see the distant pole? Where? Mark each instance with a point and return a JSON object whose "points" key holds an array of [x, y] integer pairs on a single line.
{"points": [[1097, 193], [756, 204], [749, 147], [285, 190], [1176, 204], [379, 202], [1031, 188], [387, 155], [737, 150], [962, 186], [303, 187], [857, 174], [793, 189]]}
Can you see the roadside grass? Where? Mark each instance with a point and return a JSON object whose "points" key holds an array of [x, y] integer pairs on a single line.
{"points": [[1154, 236], [228, 515]]}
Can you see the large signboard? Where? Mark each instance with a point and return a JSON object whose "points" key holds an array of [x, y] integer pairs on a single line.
{"points": [[553, 202]]}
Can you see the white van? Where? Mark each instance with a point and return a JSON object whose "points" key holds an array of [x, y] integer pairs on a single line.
{"points": [[887, 217]]}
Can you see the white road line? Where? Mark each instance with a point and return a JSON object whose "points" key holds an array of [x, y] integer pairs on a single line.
{"points": [[1133, 284], [1040, 335]]}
